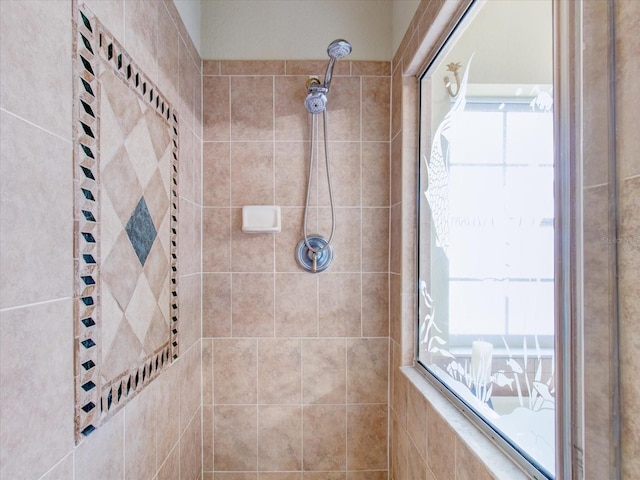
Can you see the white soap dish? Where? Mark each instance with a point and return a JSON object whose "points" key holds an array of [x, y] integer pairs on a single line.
{"points": [[261, 219]]}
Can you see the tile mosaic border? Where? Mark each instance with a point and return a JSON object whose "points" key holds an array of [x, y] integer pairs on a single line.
{"points": [[95, 401]]}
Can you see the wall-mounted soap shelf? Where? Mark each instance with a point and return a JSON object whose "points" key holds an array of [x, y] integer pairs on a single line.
{"points": [[261, 219]]}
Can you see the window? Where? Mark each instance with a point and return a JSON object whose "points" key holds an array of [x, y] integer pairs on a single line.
{"points": [[486, 234]]}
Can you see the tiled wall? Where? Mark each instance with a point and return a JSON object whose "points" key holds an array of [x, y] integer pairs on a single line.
{"points": [[628, 149], [161, 426], [295, 365]]}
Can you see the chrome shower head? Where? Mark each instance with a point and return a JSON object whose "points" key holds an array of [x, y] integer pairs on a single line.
{"points": [[339, 49]]}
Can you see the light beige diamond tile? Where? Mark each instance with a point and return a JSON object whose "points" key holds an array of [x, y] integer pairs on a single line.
{"points": [[123, 101], [159, 132], [121, 269], [123, 355], [140, 310], [112, 316], [141, 152], [120, 184], [157, 198]]}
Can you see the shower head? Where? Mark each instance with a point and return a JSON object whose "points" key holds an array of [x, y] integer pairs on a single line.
{"points": [[339, 49]]}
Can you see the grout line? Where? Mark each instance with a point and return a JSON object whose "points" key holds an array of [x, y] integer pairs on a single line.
{"points": [[34, 304], [66, 140]]}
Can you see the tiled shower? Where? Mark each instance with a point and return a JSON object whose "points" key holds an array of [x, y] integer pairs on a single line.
{"points": [[281, 375]]}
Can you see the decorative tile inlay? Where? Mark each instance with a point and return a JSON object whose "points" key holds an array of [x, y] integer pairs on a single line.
{"points": [[126, 202], [141, 231]]}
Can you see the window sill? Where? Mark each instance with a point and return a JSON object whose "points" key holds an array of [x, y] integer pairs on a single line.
{"points": [[501, 466]]}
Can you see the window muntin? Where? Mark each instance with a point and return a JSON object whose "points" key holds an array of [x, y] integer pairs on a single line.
{"points": [[486, 246]]}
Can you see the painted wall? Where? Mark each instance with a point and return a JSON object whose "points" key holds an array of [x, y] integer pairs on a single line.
{"points": [[161, 426], [191, 14], [282, 29], [295, 364]]}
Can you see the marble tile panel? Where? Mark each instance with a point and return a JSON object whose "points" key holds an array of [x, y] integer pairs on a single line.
{"points": [[36, 361], [140, 432], [101, 455], [36, 38], [38, 267]]}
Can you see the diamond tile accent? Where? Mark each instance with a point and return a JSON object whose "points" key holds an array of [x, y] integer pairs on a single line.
{"points": [[126, 210], [141, 231]]}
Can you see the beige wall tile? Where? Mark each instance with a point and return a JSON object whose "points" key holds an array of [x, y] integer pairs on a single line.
{"points": [[280, 476], [36, 38], [279, 372], [252, 178], [291, 118], [324, 476], [346, 177], [252, 67], [166, 413], [63, 470], [251, 109], [36, 254], [141, 37], [416, 466], [216, 240], [216, 174], [191, 449], [235, 438], [287, 240], [296, 305], [441, 446], [375, 304], [376, 93], [170, 469], [324, 370], [190, 376], [375, 174], [368, 475], [235, 476], [347, 239], [417, 420], [207, 438], [291, 174], [375, 239], [37, 397], [279, 437], [344, 118], [324, 437], [190, 295], [216, 111], [367, 370], [140, 431], [253, 304], [207, 371], [371, 68], [216, 305], [101, 455], [399, 450], [366, 437], [468, 467], [339, 312], [250, 252], [235, 371]]}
